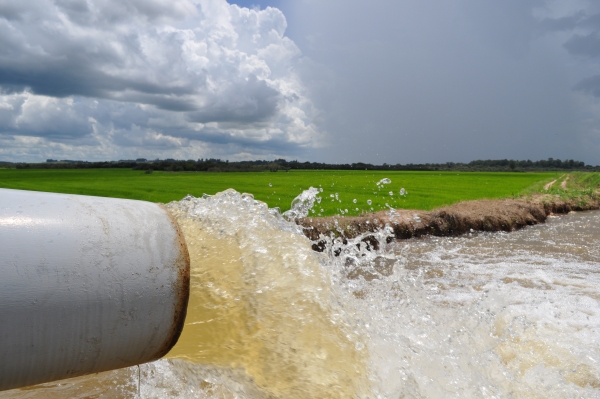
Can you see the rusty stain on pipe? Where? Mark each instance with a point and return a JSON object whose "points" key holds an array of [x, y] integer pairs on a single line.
{"points": [[87, 284], [181, 287]]}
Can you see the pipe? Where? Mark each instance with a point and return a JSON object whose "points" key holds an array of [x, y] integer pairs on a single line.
{"points": [[87, 284]]}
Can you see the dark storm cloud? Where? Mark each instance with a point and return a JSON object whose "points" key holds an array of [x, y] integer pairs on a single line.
{"points": [[561, 24], [429, 81], [13, 10], [590, 85], [507, 25], [275, 144], [580, 19], [584, 45], [249, 102]]}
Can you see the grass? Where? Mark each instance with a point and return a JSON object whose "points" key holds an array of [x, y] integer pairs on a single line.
{"points": [[426, 190], [579, 188]]}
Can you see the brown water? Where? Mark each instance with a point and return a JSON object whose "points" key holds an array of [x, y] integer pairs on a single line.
{"points": [[493, 315], [261, 302]]}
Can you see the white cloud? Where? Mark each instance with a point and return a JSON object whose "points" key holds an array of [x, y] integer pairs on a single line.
{"points": [[112, 77]]}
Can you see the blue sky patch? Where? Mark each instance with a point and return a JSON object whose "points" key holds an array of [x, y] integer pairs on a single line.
{"points": [[262, 4]]}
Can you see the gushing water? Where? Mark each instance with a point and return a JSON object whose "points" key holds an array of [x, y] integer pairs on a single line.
{"points": [[262, 300], [493, 315], [303, 203]]}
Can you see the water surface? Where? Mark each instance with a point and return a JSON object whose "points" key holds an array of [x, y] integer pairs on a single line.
{"points": [[487, 315]]}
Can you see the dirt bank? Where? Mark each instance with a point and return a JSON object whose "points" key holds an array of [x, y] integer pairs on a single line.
{"points": [[481, 215]]}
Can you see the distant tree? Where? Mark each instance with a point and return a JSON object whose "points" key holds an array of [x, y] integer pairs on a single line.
{"points": [[273, 167]]}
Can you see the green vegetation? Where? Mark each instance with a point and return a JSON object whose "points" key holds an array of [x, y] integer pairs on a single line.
{"points": [[579, 188], [219, 165], [425, 190]]}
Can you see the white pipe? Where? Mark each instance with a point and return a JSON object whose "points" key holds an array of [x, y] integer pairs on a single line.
{"points": [[87, 284]]}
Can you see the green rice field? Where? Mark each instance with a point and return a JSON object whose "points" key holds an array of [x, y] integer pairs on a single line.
{"points": [[344, 192]]}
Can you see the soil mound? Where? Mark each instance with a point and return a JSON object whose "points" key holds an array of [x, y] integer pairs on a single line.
{"points": [[460, 218]]}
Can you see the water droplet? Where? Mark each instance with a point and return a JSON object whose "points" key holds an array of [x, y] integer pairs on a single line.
{"points": [[391, 193], [302, 204], [270, 185], [354, 200], [356, 209], [346, 210], [384, 181], [321, 189], [369, 202], [417, 218], [331, 195], [402, 191]]}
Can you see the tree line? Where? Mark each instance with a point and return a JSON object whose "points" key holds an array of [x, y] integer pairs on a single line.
{"points": [[218, 165]]}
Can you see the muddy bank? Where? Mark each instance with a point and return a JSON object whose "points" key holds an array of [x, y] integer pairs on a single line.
{"points": [[457, 219]]}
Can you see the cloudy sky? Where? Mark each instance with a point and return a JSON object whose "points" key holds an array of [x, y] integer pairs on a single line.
{"points": [[399, 81]]}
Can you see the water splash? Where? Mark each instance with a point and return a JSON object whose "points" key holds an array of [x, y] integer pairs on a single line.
{"points": [[303, 203], [262, 302], [490, 315]]}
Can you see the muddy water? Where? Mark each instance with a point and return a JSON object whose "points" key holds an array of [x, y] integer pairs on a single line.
{"points": [[491, 315], [262, 303]]}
